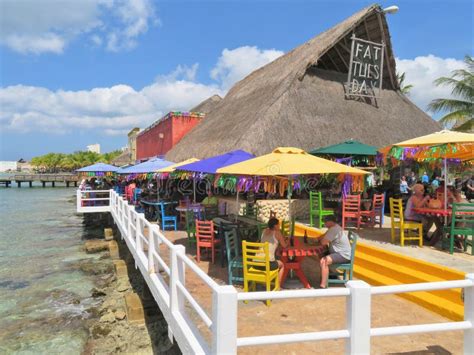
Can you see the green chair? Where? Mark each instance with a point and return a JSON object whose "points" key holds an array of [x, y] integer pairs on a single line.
{"points": [[316, 209], [250, 211], [347, 269], [234, 259], [461, 224], [261, 227], [287, 228], [190, 227]]}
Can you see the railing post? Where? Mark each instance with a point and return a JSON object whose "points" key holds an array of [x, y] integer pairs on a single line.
{"points": [[151, 248], [224, 320], [469, 316], [78, 200], [358, 313], [138, 231], [177, 272]]}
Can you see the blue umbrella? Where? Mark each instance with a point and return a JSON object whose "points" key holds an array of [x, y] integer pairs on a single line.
{"points": [[98, 168], [149, 166], [210, 165]]}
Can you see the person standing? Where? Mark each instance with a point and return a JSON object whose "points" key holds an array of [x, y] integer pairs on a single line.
{"points": [[404, 186], [338, 245], [425, 179]]}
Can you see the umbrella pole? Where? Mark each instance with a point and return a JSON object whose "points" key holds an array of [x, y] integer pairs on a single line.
{"points": [[194, 188], [289, 200], [237, 203], [445, 189]]}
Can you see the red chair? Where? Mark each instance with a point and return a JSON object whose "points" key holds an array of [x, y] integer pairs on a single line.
{"points": [[206, 238], [351, 210], [378, 202]]}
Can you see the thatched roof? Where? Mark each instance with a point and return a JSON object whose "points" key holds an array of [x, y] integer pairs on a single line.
{"points": [[207, 105], [123, 159], [298, 100]]}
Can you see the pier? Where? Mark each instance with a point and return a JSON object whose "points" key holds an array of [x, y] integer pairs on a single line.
{"points": [[45, 179], [167, 271]]}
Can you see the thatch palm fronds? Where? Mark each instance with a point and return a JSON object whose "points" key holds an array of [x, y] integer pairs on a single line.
{"points": [[460, 110], [405, 89]]}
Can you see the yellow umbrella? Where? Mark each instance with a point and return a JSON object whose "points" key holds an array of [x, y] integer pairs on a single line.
{"points": [[287, 161], [444, 144], [171, 168]]}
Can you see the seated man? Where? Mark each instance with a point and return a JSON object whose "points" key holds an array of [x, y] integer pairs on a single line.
{"points": [[210, 199], [339, 248]]}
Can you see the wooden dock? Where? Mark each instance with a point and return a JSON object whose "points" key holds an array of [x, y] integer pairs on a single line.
{"points": [[64, 178]]}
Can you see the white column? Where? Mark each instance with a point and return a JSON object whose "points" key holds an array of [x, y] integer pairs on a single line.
{"points": [[224, 320], [469, 316], [151, 249], [78, 200], [358, 313]]}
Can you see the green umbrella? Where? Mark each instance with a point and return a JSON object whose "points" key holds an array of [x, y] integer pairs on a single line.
{"points": [[346, 148]]}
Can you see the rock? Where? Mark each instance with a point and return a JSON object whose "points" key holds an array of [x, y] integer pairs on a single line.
{"points": [[110, 303], [100, 330], [95, 246], [96, 268], [122, 287], [119, 315], [97, 293], [75, 301], [107, 318]]}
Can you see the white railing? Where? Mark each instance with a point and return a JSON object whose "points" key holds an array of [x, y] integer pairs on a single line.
{"points": [[159, 259], [93, 201]]}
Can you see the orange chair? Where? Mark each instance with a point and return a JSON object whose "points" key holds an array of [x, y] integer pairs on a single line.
{"points": [[376, 210], [206, 238], [351, 210]]}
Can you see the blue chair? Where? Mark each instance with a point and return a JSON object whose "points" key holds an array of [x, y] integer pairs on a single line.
{"points": [[136, 194], [167, 221]]}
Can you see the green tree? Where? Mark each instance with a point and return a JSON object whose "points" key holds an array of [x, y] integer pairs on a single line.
{"points": [[405, 89], [460, 110]]}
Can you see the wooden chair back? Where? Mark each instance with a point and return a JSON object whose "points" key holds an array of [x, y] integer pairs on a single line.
{"points": [[351, 204], [231, 244], [396, 210], [255, 254], [378, 201], [204, 231]]}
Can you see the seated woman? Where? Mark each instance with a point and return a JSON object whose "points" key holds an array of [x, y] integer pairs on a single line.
{"points": [[417, 200], [273, 236]]}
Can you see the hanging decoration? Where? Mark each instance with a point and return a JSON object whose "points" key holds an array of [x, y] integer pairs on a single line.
{"points": [[97, 174]]}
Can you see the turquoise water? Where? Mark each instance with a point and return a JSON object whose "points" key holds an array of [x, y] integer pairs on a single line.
{"points": [[43, 293]]}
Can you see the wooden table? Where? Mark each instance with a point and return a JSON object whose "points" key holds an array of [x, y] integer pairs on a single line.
{"points": [[292, 258]]}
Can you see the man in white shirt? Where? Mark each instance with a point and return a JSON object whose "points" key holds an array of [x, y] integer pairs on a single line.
{"points": [[338, 245]]}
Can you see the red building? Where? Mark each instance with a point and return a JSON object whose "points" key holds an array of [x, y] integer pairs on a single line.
{"points": [[163, 134]]}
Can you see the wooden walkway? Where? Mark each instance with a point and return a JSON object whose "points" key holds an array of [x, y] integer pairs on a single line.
{"points": [[52, 179]]}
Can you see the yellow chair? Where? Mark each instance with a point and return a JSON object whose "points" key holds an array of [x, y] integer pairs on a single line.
{"points": [[408, 230], [256, 262]]}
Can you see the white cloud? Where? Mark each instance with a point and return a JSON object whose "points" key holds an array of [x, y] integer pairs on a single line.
{"points": [[48, 26], [233, 65], [114, 110], [422, 71]]}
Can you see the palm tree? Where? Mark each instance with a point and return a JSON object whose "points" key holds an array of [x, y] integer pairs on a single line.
{"points": [[405, 89], [460, 110]]}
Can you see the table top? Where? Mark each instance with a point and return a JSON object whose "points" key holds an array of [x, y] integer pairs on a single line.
{"points": [[156, 203], [439, 211], [196, 207]]}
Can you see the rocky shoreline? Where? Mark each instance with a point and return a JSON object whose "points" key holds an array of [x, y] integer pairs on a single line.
{"points": [[109, 329]]}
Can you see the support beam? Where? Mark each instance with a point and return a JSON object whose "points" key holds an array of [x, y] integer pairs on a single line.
{"points": [[387, 59], [67, 183], [43, 183], [333, 62], [342, 57], [18, 183], [367, 30], [30, 183], [52, 184], [75, 183]]}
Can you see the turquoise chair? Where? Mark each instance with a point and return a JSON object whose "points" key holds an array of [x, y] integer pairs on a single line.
{"points": [[234, 259], [316, 209], [167, 221], [348, 268]]}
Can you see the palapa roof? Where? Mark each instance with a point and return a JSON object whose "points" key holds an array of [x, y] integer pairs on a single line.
{"points": [[207, 105], [299, 100]]}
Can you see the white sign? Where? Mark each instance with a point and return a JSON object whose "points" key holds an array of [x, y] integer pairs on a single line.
{"points": [[366, 68]]}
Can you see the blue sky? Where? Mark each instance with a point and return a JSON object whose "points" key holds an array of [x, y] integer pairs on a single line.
{"points": [[75, 73]]}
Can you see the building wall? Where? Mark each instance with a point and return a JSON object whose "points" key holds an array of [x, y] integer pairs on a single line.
{"points": [[132, 143], [8, 165], [160, 137], [94, 148]]}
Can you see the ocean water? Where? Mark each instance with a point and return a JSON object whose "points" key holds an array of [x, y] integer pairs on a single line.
{"points": [[44, 296]]}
